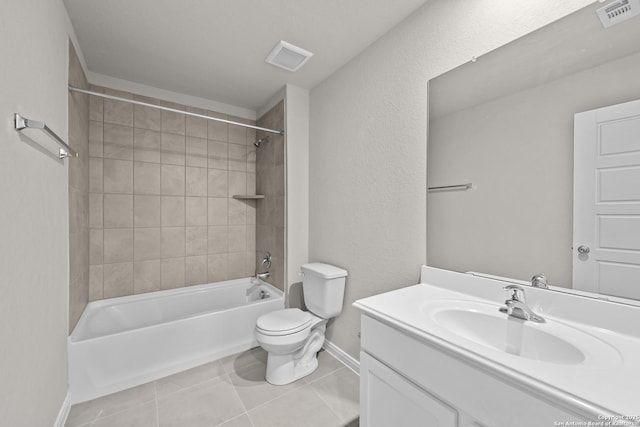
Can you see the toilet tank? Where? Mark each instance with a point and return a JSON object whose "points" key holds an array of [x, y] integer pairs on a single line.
{"points": [[323, 288]]}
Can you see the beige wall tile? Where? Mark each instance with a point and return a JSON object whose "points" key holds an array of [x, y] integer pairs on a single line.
{"points": [[146, 276], [237, 183], [237, 157], [118, 142], [251, 183], [278, 247], [173, 274], [217, 130], [118, 245], [146, 178], [251, 135], [96, 247], [196, 126], [251, 211], [172, 211], [218, 240], [173, 122], [146, 211], [196, 181], [174, 189], [173, 242], [146, 243], [196, 152], [95, 175], [118, 279], [217, 210], [172, 180], [146, 117], [237, 211], [251, 238], [197, 240], [250, 264], [118, 112], [278, 212], [95, 210], [217, 183], [216, 267], [237, 134], [146, 145], [96, 108], [196, 270], [237, 238], [236, 265], [251, 158], [218, 154], [118, 211], [118, 176], [96, 282], [173, 149], [196, 210], [95, 138]]}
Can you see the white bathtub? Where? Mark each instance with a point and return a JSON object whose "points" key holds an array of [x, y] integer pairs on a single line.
{"points": [[123, 342]]}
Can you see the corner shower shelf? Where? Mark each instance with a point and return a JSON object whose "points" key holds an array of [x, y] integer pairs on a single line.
{"points": [[248, 196]]}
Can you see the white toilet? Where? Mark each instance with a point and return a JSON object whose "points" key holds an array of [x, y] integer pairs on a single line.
{"points": [[293, 337]]}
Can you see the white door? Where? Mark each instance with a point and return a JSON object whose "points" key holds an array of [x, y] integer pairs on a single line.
{"points": [[606, 200]]}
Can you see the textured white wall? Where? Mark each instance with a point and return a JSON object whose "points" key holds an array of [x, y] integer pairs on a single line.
{"points": [[367, 154], [34, 277]]}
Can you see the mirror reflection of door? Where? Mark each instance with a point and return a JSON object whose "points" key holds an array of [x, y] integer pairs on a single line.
{"points": [[606, 211]]}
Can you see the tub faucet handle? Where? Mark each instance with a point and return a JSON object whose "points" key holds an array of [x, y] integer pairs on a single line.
{"points": [[266, 261]]}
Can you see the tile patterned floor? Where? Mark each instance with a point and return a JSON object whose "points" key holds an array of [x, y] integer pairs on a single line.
{"points": [[230, 392]]}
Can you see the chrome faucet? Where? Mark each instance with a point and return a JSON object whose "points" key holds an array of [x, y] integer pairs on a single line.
{"points": [[539, 281], [266, 264], [517, 307]]}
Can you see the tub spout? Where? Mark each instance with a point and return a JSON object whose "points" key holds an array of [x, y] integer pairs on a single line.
{"points": [[263, 276]]}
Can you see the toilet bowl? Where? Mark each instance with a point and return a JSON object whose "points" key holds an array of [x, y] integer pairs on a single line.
{"points": [[293, 337]]}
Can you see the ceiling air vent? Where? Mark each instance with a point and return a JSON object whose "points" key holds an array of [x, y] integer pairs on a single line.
{"points": [[287, 56], [618, 11]]}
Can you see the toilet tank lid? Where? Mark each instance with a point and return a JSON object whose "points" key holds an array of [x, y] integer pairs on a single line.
{"points": [[326, 271]]}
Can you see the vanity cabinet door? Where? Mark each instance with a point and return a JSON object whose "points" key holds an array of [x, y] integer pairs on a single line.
{"points": [[389, 399]]}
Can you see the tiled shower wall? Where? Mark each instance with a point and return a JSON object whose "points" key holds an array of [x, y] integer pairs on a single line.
{"points": [[270, 181], [161, 212], [78, 192]]}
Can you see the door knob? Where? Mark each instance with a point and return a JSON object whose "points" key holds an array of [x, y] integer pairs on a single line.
{"points": [[582, 249]]}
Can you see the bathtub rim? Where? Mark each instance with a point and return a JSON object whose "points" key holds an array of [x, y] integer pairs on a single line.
{"points": [[165, 293]]}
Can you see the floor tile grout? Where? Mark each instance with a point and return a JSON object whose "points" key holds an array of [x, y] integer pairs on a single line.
{"points": [[326, 404], [155, 394], [226, 377]]}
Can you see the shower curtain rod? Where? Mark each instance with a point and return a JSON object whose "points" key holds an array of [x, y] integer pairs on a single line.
{"points": [[173, 110]]}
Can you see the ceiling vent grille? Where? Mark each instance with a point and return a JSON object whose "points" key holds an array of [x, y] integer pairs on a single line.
{"points": [[287, 56], [618, 11]]}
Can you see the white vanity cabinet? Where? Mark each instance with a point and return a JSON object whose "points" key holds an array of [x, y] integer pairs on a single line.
{"points": [[409, 381]]}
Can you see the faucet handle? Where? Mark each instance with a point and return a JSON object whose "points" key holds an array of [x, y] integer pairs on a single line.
{"points": [[516, 293]]}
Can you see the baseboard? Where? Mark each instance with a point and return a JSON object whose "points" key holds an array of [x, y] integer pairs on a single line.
{"points": [[342, 356], [64, 411]]}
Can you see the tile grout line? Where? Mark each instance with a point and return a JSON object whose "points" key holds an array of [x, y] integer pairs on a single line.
{"points": [[246, 412], [326, 403], [155, 394]]}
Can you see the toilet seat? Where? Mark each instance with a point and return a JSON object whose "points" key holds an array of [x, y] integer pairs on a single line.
{"points": [[284, 322]]}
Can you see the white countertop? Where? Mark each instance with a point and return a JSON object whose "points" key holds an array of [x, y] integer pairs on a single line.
{"points": [[607, 382]]}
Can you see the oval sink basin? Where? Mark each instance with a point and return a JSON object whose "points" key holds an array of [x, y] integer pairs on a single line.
{"points": [[549, 342], [510, 335]]}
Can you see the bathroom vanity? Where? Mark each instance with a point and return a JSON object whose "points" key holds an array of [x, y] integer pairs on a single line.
{"points": [[441, 353]]}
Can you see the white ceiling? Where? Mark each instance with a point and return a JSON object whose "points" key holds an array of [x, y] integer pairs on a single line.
{"points": [[215, 49]]}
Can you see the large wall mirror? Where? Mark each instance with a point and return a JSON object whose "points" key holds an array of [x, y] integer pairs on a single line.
{"points": [[505, 124]]}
